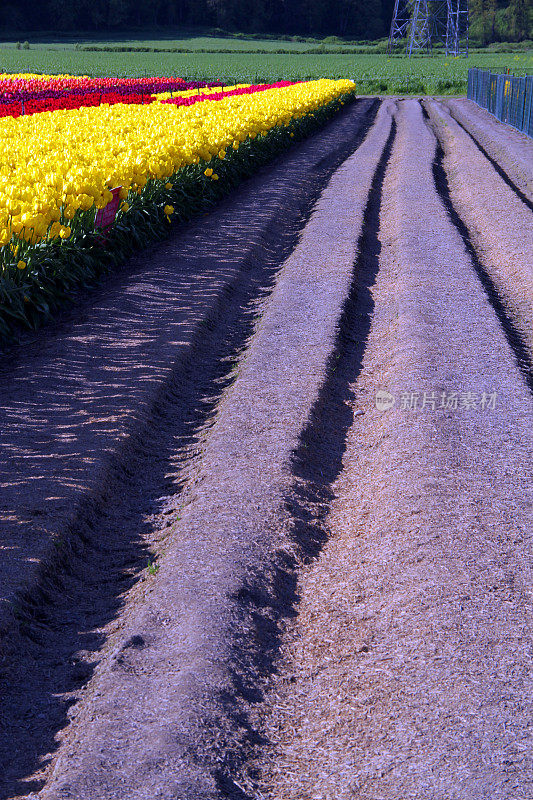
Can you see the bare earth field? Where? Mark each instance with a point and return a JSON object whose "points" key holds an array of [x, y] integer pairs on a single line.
{"points": [[267, 494]]}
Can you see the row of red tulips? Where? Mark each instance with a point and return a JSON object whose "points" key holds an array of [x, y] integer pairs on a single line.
{"points": [[17, 90], [196, 98], [70, 101], [37, 105]]}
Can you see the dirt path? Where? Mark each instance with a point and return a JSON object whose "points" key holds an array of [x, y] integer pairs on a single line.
{"points": [[341, 597]]}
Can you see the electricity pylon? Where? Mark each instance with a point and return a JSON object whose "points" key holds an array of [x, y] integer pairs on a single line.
{"points": [[401, 20], [420, 32], [457, 28], [421, 23]]}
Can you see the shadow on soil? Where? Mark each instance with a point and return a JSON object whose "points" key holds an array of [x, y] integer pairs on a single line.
{"points": [[51, 648], [270, 598]]}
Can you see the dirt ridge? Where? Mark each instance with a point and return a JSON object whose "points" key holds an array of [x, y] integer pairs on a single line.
{"points": [[515, 338], [316, 463]]}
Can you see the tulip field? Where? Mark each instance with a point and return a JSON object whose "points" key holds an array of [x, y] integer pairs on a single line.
{"points": [[94, 167], [28, 94], [266, 378]]}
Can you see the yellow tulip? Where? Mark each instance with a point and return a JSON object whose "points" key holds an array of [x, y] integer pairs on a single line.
{"points": [[56, 164]]}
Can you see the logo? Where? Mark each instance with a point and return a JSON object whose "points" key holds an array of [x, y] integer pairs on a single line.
{"points": [[384, 400]]}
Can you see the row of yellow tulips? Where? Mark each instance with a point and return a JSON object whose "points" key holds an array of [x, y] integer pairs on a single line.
{"points": [[56, 164]]}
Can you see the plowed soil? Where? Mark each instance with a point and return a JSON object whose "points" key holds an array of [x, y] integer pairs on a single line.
{"points": [[267, 494]]}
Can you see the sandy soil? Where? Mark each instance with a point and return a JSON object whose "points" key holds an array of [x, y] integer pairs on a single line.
{"points": [[340, 598]]}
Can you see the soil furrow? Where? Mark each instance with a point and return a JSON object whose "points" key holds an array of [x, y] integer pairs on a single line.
{"points": [[406, 672], [158, 714], [506, 148], [316, 464], [523, 354], [501, 172], [499, 225], [104, 414]]}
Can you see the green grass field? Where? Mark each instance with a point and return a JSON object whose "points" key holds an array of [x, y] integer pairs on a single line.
{"points": [[373, 72]]}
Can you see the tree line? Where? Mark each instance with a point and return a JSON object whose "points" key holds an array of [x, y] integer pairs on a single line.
{"points": [[498, 21], [491, 20]]}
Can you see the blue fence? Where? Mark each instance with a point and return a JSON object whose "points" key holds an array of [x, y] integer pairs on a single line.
{"points": [[510, 99]]}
